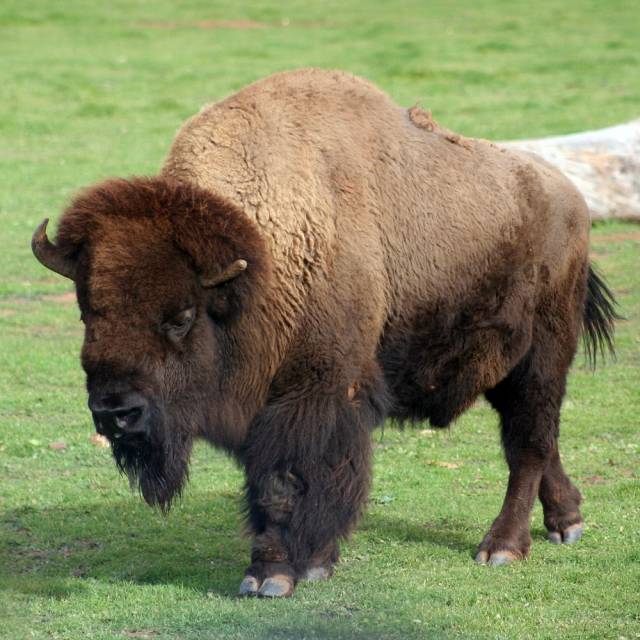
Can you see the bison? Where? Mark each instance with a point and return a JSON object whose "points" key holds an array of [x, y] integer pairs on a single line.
{"points": [[310, 260]]}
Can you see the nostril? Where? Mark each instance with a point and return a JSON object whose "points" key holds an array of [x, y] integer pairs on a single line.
{"points": [[116, 415], [127, 418]]}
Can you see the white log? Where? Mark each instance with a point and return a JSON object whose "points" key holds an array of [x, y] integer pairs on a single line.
{"points": [[603, 164]]}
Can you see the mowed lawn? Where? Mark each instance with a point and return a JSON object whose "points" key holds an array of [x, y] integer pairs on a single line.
{"points": [[90, 90]]}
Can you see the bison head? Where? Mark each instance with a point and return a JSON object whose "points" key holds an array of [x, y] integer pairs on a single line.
{"points": [[165, 272]]}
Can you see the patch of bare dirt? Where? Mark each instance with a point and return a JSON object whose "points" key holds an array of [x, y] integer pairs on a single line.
{"points": [[444, 465], [99, 441], [230, 24], [139, 633], [209, 24], [69, 297], [617, 237], [63, 298]]}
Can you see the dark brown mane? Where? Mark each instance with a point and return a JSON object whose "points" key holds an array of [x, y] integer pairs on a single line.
{"points": [[203, 225]]}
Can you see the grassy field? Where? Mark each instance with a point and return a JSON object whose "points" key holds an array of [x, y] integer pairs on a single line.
{"points": [[97, 89]]}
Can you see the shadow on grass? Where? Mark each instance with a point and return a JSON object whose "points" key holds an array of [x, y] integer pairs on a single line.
{"points": [[445, 532], [198, 545]]}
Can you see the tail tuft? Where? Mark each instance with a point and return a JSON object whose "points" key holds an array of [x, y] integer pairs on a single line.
{"points": [[599, 318]]}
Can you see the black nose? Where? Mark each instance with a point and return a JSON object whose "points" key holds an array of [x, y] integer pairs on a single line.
{"points": [[119, 414]]}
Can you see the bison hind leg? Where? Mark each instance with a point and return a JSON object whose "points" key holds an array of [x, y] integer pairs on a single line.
{"points": [[560, 503], [528, 401]]}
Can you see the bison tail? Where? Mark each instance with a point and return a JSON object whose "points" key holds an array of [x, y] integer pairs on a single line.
{"points": [[599, 318]]}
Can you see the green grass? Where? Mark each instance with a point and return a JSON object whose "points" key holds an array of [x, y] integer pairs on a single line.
{"points": [[97, 89]]}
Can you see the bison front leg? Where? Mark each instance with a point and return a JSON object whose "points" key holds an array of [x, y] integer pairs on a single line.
{"points": [[308, 469]]}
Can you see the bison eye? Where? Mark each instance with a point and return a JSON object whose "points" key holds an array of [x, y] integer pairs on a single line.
{"points": [[178, 326]]}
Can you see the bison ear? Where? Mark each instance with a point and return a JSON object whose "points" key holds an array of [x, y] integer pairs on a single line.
{"points": [[225, 247], [228, 295], [229, 273]]}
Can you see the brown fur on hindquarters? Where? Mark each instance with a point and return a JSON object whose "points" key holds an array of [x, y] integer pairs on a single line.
{"points": [[528, 401], [386, 258]]}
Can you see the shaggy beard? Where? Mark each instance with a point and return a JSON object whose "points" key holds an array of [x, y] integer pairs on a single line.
{"points": [[159, 469]]}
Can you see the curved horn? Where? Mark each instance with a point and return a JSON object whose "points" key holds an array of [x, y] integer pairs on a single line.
{"points": [[49, 255], [231, 272]]}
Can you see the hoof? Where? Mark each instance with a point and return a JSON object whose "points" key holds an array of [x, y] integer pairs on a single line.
{"points": [[496, 558], [317, 573], [249, 586], [276, 587], [569, 535]]}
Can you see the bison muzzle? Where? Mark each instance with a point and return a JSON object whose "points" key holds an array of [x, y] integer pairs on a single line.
{"points": [[310, 260]]}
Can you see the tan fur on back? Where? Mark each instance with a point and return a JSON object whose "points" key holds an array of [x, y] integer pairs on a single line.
{"points": [[379, 207]]}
